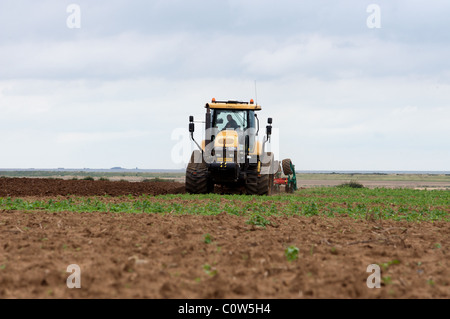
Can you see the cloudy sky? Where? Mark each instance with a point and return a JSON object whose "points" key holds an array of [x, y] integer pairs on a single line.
{"points": [[115, 84]]}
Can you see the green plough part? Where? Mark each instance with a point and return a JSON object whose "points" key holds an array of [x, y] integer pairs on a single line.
{"points": [[292, 181]]}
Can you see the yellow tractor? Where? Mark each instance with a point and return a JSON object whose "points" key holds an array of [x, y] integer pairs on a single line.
{"points": [[231, 154]]}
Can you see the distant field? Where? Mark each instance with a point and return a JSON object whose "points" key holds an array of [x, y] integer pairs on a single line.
{"points": [[132, 176], [302, 176], [305, 180], [377, 177]]}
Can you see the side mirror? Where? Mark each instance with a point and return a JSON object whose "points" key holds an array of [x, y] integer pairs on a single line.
{"points": [[269, 120], [191, 124], [268, 130]]}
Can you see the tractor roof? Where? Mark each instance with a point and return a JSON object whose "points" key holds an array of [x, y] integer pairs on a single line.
{"points": [[233, 105]]}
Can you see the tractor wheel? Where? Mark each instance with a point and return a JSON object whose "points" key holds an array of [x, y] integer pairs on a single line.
{"points": [[265, 184], [197, 181], [251, 184], [261, 183], [287, 166], [265, 180]]}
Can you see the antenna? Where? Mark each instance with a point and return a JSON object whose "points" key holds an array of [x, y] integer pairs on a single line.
{"points": [[256, 94]]}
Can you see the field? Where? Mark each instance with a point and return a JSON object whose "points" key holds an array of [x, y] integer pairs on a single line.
{"points": [[417, 181], [150, 240]]}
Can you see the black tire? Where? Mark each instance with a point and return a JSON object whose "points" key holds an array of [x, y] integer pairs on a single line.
{"points": [[197, 181], [264, 184], [265, 180], [287, 166], [251, 184], [261, 184], [258, 184]]}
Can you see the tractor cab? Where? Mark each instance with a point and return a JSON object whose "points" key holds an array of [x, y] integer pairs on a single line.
{"points": [[232, 131], [223, 119]]}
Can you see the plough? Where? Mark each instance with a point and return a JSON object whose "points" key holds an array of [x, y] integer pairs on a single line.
{"points": [[290, 181]]}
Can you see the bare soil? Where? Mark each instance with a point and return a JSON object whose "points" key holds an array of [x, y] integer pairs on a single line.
{"points": [[155, 256], [16, 187], [165, 256]]}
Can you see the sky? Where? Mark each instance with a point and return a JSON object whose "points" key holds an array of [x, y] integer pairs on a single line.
{"points": [[350, 84]]}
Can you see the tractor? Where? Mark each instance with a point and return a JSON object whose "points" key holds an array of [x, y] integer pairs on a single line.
{"points": [[231, 154]]}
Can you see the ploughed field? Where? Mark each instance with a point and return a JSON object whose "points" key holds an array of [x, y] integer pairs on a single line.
{"points": [[150, 240], [52, 187]]}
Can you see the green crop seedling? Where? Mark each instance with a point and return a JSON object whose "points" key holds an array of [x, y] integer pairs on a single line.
{"points": [[209, 270], [258, 220], [291, 253], [207, 239]]}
